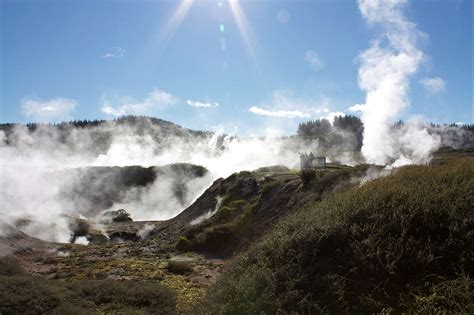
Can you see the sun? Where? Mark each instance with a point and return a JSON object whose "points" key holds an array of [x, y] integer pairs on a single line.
{"points": [[240, 19]]}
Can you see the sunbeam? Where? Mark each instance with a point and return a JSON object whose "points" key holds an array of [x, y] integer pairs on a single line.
{"points": [[178, 16], [244, 30]]}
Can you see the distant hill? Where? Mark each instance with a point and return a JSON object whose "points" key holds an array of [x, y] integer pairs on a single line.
{"points": [[136, 121], [94, 137]]}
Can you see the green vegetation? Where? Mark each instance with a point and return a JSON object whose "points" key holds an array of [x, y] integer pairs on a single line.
{"points": [[273, 169], [179, 267], [398, 244], [253, 202], [10, 267], [215, 233], [307, 177], [21, 293], [402, 243]]}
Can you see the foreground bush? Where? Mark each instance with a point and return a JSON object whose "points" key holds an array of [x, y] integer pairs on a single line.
{"points": [[21, 293], [179, 267], [404, 243], [10, 266]]}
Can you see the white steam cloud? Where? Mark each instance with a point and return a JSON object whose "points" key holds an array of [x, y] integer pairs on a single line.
{"points": [[47, 170], [120, 106], [52, 110], [209, 213], [384, 74]]}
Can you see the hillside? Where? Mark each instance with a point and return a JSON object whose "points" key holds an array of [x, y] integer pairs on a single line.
{"points": [[83, 194], [398, 243], [88, 140], [140, 123], [402, 243]]}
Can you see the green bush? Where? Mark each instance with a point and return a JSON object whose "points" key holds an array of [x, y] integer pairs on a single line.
{"points": [[21, 293], [453, 295], [273, 169], [229, 211], [148, 296], [307, 177], [396, 244], [10, 266], [214, 234], [183, 243], [215, 238], [179, 267], [27, 295]]}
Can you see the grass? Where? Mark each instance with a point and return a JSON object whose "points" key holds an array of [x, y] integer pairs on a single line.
{"points": [[399, 244]]}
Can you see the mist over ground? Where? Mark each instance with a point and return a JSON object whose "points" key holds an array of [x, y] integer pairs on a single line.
{"points": [[154, 169]]}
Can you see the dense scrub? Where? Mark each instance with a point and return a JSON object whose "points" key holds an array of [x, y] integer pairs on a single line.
{"points": [[21, 293], [253, 202], [403, 243]]}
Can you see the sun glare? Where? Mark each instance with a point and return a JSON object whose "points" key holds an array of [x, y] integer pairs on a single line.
{"points": [[176, 19], [244, 29], [240, 19]]}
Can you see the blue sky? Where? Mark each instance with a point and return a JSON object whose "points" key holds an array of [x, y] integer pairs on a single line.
{"points": [[294, 61]]}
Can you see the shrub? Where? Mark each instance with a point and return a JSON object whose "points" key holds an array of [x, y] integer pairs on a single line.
{"points": [[214, 234], [179, 267], [183, 243], [214, 238], [21, 293], [307, 176], [9, 266], [453, 295], [273, 169], [148, 296], [397, 244]]}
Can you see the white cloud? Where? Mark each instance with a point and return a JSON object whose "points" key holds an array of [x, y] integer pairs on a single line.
{"points": [[283, 16], [155, 100], [279, 113], [48, 111], [286, 105], [115, 53], [433, 85], [201, 104], [313, 60]]}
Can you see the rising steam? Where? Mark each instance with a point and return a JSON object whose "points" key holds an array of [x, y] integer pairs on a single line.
{"points": [[384, 74], [47, 171]]}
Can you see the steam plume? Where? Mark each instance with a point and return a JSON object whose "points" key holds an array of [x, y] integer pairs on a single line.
{"points": [[384, 74]]}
